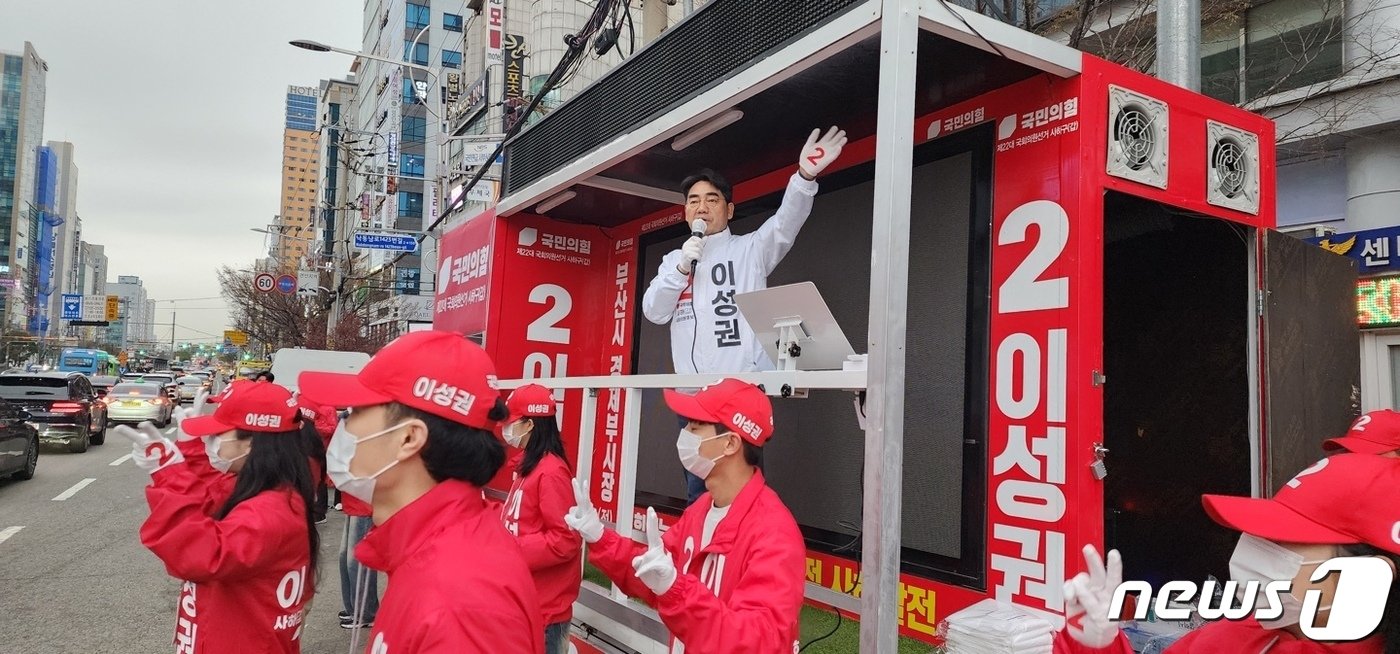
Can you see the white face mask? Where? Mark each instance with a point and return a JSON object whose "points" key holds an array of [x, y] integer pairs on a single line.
{"points": [[1261, 560], [688, 446], [339, 455], [212, 444], [514, 433]]}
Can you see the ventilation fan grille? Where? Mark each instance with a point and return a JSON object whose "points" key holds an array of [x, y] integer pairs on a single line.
{"points": [[1137, 137], [1232, 168]]}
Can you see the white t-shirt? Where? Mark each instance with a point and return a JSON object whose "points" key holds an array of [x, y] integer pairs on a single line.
{"points": [[711, 522]]}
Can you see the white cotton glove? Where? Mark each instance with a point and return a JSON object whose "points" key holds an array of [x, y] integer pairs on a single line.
{"points": [[1089, 594], [583, 518], [690, 253], [181, 414], [820, 151], [655, 567], [149, 449]]}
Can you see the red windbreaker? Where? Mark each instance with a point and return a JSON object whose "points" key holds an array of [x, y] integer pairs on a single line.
{"points": [[457, 582], [247, 577], [742, 593], [1230, 637], [534, 511]]}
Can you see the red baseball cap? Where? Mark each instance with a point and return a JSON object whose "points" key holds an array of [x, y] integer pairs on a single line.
{"points": [[228, 390], [1344, 499], [258, 407], [530, 401], [1377, 432], [441, 373], [738, 405]]}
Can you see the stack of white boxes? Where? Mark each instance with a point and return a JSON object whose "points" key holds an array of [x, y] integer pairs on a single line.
{"points": [[992, 627]]}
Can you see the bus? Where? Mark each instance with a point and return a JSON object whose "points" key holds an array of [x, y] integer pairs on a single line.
{"points": [[92, 363]]}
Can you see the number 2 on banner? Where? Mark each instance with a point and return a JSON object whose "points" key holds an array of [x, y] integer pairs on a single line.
{"points": [[1024, 290], [545, 329]]}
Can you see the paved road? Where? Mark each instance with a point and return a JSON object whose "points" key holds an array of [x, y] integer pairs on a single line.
{"points": [[74, 578]]}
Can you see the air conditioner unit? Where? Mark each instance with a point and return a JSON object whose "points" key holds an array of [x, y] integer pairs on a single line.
{"points": [[1232, 168], [1137, 137]]}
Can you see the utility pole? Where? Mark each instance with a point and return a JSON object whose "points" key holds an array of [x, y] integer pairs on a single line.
{"points": [[172, 332], [1179, 42]]}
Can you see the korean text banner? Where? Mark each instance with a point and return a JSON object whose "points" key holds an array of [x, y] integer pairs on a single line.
{"points": [[464, 277]]}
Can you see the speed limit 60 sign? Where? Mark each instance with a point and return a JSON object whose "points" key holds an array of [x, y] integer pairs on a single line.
{"points": [[264, 282]]}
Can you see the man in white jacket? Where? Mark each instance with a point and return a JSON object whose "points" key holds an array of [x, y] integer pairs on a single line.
{"points": [[696, 284]]}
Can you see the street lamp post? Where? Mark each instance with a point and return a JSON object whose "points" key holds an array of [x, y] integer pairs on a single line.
{"points": [[439, 178]]}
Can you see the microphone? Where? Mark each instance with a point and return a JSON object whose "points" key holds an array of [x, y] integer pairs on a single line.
{"points": [[697, 230]]}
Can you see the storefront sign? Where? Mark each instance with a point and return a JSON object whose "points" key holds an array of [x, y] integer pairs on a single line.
{"points": [[1378, 301], [471, 103], [495, 29], [1373, 249], [515, 66]]}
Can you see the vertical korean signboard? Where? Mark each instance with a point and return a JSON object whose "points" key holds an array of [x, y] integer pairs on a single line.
{"points": [[495, 30], [514, 79]]}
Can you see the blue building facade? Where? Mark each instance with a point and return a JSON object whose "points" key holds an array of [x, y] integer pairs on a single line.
{"points": [[44, 218]]}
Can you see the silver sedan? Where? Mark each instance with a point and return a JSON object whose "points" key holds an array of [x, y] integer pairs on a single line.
{"points": [[132, 403]]}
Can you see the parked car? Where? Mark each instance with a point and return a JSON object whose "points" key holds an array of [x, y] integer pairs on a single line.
{"points": [[190, 386], [132, 403], [103, 383], [62, 405], [19, 442]]}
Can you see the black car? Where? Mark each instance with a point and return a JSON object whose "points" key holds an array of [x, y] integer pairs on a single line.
{"points": [[19, 442], [62, 405]]}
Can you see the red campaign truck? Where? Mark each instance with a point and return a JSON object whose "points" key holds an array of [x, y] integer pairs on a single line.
{"points": [[1084, 280]]}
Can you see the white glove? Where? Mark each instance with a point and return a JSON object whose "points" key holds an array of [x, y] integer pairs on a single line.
{"points": [[820, 151], [1090, 593], [583, 518], [690, 252], [149, 449], [655, 567], [181, 414]]}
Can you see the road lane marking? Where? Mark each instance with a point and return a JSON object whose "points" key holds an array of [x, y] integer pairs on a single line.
{"points": [[120, 461], [74, 490], [7, 532]]}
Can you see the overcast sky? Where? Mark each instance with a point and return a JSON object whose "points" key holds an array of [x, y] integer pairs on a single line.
{"points": [[175, 109]]}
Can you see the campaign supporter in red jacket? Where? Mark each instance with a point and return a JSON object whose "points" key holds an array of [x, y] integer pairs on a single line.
{"points": [[541, 493], [728, 576], [248, 567], [1343, 506], [419, 445]]}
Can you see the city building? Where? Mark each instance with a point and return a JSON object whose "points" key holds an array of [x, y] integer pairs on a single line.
{"points": [[91, 280], [135, 326], [293, 231], [44, 222], [22, 92], [67, 235], [340, 158], [487, 61], [1325, 71]]}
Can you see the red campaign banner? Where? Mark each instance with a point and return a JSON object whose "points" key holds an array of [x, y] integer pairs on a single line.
{"points": [[548, 281], [622, 279], [463, 293], [1037, 303]]}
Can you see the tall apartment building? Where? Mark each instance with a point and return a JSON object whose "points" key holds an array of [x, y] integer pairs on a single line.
{"points": [[340, 159], [67, 234], [136, 327], [91, 280], [301, 164], [22, 90]]}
